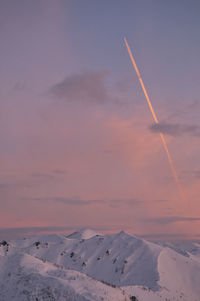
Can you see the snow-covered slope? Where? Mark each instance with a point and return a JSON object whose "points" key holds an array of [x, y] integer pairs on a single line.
{"points": [[179, 274], [23, 277], [112, 267], [115, 259], [188, 248]]}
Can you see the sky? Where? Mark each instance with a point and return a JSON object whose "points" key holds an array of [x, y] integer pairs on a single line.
{"points": [[79, 147]]}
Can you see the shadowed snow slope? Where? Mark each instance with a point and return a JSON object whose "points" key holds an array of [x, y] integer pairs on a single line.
{"points": [[143, 269]]}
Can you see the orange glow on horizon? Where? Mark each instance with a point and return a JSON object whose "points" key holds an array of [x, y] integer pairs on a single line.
{"points": [[156, 121]]}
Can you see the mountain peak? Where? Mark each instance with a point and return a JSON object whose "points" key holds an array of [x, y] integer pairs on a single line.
{"points": [[83, 234]]}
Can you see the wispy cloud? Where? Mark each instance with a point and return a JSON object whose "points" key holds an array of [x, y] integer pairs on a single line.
{"points": [[172, 219], [131, 202], [175, 129], [169, 236], [75, 202], [65, 200], [81, 202]]}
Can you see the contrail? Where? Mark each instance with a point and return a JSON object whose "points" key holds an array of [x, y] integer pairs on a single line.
{"points": [[156, 121]]}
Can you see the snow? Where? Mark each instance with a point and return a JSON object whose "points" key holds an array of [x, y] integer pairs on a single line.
{"points": [[90, 266], [115, 259], [179, 274], [83, 234], [23, 277]]}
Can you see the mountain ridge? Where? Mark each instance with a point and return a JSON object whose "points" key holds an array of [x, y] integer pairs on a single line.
{"points": [[130, 265]]}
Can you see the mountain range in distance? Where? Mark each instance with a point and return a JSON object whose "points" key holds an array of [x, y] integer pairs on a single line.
{"points": [[89, 266]]}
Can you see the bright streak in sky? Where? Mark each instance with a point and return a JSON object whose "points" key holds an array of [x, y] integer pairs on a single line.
{"points": [[156, 121]]}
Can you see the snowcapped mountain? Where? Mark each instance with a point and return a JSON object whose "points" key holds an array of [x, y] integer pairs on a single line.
{"points": [[90, 266], [83, 234]]}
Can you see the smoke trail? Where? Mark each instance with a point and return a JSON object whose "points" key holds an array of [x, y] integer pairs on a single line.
{"points": [[156, 121]]}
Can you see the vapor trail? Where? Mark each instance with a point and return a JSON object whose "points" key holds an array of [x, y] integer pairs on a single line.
{"points": [[156, 121]]}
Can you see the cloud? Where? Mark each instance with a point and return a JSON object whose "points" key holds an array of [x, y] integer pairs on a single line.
{"points": [[86, 87], [65, 200], [175, 129], [13, 233], [48, 175], [172, 219], [167, 236], [116, 203], [21, 232], [5, 185], [81, 202], [75, 202]]}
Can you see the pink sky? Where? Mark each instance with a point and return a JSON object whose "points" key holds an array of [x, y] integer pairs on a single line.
{"points": [[78, 143]]}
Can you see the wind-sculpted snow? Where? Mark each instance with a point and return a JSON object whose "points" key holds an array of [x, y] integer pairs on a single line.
{"points": [[90, 266]]}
